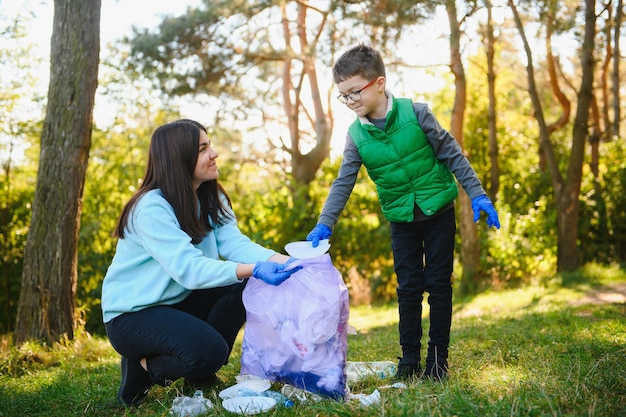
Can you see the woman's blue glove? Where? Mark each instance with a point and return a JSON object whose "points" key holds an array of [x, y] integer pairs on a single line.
{"points": [[483, 203], [319, 232], [272, 273]]}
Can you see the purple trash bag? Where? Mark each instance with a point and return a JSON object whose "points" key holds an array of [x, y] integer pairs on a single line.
{"points": [[297, 332]]}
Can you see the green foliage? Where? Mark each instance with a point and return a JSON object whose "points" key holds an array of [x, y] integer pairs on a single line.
{"points": [[21, 107], [603, 207], [387, 19], [117, 163], [15, 214], [528, 352]]}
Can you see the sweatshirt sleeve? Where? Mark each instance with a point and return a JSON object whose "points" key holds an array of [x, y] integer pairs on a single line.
{"points": [[448, 150], [157, 228], [233, 245], [343, 185]]}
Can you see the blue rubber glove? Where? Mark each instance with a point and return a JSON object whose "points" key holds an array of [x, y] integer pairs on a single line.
{"points": [[319, 232], [483, 203], [272, 273]]}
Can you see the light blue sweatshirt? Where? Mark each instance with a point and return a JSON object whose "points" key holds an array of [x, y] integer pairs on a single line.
{"points": [[156, 263]]}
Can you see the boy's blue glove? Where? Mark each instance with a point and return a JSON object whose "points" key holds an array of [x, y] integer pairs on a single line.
{"points": [[319, 232], [272, 273], [483, 203]]}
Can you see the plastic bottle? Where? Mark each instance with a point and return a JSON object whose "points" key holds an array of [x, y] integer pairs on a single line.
{"points": [[280, 398], [358, 370], [190, 406]]}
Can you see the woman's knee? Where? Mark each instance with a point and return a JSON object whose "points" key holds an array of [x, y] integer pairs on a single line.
{"points": [[207, 357]]}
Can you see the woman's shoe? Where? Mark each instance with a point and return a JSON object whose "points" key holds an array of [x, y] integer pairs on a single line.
{"points": [[135, 383]]}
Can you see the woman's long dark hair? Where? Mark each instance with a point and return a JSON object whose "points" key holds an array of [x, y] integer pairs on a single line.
{"points": [[171, 163]]}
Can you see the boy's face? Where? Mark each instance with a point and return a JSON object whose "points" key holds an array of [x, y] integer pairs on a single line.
{"points": [[364, 97]]}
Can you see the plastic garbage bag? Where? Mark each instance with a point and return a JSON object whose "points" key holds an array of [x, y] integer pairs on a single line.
{"points": [[297, 332]]}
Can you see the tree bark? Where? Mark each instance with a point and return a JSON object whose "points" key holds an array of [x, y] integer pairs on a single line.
{"points": [[47, 298], [491, 112], [304, 166], [566, 191], [470, 248], [616, 74], [569, 204]]}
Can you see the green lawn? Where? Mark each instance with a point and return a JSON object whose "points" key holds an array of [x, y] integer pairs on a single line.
{"points": [[541, 351]]}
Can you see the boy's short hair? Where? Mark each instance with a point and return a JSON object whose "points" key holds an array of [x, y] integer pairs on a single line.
{"points": [[359, 60]]}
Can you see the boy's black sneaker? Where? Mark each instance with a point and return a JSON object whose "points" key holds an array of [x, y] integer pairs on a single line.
{"points": [[407, 371], [436, 370]]}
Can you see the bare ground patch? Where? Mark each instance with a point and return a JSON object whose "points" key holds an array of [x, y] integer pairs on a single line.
{"points": [[607, 294]]}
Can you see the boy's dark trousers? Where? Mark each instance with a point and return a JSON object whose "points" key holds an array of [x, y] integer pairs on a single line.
{"points": [[423, 254]]}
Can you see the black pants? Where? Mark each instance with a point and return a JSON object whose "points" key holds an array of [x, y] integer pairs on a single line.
{"points": [[192, 339], [423, 259]]}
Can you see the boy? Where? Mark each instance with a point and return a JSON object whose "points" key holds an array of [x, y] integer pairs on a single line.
{"points": [[411, 159]]}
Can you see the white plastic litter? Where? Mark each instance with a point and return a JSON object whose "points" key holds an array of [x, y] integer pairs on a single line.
{"points": [[301, 395], [304, 249], [253, 384], [190, 406], [398, 385], [367, 400], [249, 405], [358, 370]]}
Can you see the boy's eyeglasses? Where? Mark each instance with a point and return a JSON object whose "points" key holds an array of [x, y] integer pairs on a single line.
{"points": [[355, 95]]}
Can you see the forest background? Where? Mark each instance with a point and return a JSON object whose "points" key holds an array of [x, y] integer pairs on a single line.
{"points": [[533, 92]]}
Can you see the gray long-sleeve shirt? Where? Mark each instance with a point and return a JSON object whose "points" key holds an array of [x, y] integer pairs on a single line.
{"points": [[446, 148]]}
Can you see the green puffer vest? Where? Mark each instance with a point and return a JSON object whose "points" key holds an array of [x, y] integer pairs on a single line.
{"points": [[403, 165]]}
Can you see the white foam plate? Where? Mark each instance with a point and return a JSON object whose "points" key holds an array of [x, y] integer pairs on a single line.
{"points": [[257, 385], [304, 249], [249, 405]]}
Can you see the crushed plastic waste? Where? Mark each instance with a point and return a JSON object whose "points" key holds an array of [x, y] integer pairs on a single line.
{"points": [[248, 377], [281, 399], [299, 394], [399, 385], [356, 371], [367, 400], [184, 406]]}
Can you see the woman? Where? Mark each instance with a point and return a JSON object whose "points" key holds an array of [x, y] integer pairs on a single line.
{"points": [[171, 298]]}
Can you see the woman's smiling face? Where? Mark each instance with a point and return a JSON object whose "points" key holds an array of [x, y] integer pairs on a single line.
{"points": [[206, 166]]}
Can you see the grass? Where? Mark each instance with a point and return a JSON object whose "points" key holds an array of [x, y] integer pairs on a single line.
{"points": [[524, 352]]}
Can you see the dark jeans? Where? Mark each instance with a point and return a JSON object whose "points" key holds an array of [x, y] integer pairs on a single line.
{"points": [[423, 259], [191, 339]]}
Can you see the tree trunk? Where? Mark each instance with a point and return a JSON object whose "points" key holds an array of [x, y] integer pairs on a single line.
{"points": [[494, 185], [47, 298], [569, 204], [304, 166], [470, 248], [616, 74], [566, 191]]}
